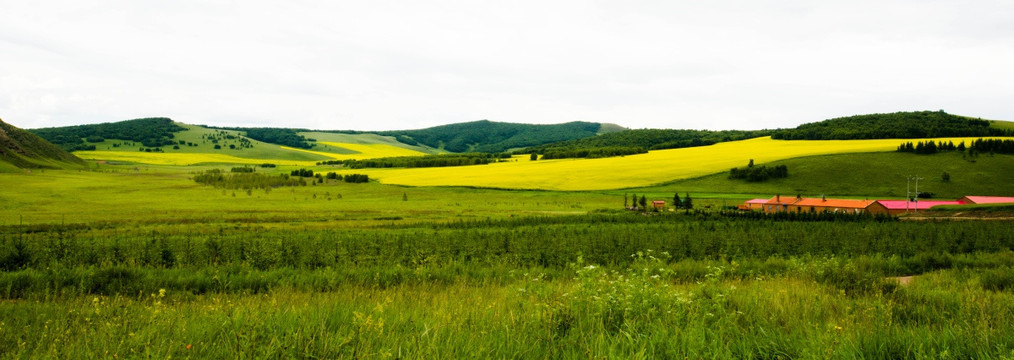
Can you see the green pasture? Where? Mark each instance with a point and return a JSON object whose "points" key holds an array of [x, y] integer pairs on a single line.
{"points": [[194, 133], [870, 175], [130, 261]]}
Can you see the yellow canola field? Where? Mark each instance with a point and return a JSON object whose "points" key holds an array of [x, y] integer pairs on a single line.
{"points": [[366, 151], [630, 171]]}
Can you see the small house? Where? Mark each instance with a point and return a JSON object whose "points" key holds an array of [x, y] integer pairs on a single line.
{"points": [[658, 204]]}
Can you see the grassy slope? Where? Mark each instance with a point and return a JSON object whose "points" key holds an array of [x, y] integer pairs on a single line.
{"points": [[22, 149], [260, 150], [1000, 124], [204, 152], [872, 175], [365, 139]]}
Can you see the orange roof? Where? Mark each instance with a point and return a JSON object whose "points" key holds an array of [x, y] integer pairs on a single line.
{"points": [[784, 201], [835, 203]]}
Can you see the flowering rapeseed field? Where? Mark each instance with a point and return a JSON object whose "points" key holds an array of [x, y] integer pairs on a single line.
{"points": [[630, 171]]}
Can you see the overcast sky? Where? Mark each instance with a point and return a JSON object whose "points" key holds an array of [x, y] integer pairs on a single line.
{"points": [[381, 65]]}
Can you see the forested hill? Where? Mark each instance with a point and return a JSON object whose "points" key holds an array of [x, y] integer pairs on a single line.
{"points": [[650, 139], [23, 149], [493, 137], [901, 125], [151, 132]]}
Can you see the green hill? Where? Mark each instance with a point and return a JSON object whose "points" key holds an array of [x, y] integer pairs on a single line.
{"points": [[899, 125], [489, 136], [149, 132], [22, 149], [873, 175]]}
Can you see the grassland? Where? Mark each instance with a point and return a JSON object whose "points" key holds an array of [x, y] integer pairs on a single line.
{"points": [[872, 175], [139, 260]]}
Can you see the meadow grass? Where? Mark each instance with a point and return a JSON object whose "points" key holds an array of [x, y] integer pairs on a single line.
{"points": [[141, 261]]}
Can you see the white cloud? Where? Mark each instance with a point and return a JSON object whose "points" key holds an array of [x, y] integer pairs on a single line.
{"points": [[392, 65]]}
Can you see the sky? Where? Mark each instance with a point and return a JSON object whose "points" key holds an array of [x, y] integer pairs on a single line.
{"points": [[390, 65]]}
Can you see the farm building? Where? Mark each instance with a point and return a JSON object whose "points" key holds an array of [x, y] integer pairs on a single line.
{"points": [[658, 204], [754, 204], [822, 205], [896, 207], [777, 204], [986, 200]]}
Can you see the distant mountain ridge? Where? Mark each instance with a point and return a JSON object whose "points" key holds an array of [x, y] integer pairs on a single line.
{"points": [[494, 137], [23, 149]]}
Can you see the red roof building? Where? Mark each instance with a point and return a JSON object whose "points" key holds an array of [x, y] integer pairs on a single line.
{"points": [[777, 204], [986, 199], [895, 207]]}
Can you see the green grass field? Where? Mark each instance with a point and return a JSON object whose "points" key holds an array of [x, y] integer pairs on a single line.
{"points": [[134, 260]]}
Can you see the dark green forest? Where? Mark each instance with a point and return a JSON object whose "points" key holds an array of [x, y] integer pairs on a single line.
{"points": [[979, 146], [903, 125], [151, 132], [493, 137], [591, 153], [280, 136], [649, 139]]}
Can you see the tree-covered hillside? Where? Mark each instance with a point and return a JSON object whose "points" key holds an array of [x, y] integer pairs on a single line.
{"points": [[902, 125], [280, 136], [649, 139], [26, 150], [493, 137], [151, 132]]}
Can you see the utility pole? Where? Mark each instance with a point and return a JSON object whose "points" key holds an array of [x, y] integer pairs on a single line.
{"points": [[917, 178]]}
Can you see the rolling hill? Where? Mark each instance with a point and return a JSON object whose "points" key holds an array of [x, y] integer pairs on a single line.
{"points": [[22, 149], [899, 125], [490, 136]]}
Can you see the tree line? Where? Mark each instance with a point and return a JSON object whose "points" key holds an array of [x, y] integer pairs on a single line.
{"points": [[996, 146], [627, 141], [246, 180], [349, 178], [280, 136], [150, 132], [753, 173], [440, 160], [591, 153], [492, 137], [906, 125]]}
